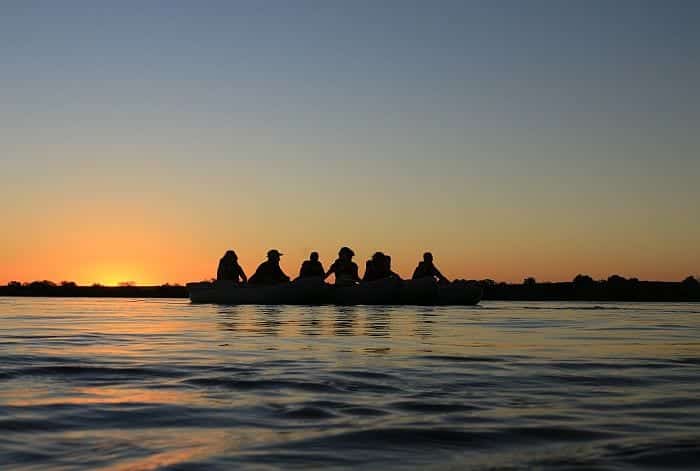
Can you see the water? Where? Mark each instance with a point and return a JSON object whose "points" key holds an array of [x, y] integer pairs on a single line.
{"points": [[143, 384]]}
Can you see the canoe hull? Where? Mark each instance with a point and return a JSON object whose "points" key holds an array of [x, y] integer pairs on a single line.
{"points": [[227, 292], [314, 291]]}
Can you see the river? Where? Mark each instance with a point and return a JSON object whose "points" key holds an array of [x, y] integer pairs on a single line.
{"points": [[147, 384]]}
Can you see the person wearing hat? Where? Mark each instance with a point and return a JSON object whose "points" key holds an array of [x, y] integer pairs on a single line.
{"points": [[269, 272], [229, 269], [344, 268], [426, 269], [311, 268]]}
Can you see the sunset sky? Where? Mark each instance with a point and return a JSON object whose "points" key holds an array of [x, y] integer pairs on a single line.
{"points": [[140, 140]]}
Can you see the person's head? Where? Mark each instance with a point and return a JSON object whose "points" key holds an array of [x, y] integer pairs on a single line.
{"points": [[274, 255], [378, 257], [313, 257], [346, 253], [428, 257], [231, 255]]}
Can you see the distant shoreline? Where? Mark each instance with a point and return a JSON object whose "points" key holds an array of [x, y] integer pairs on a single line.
{"points": [[582, 288]]}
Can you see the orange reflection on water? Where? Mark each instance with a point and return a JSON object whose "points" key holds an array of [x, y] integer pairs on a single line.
{"points": [[108, 395], [196, 444]]}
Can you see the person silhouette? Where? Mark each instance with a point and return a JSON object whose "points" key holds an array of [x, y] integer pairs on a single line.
{"points": [[374, 267], [311, 268], [426, 269], [269, 272], [229, 269], [346, 272], [379, 267]]}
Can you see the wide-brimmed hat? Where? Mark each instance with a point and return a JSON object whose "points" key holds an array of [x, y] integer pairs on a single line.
{"points": [[274, 252], [346, 250]]}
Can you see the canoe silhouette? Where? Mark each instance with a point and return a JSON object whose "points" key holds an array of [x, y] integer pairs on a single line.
{"points": [[315, 291]]}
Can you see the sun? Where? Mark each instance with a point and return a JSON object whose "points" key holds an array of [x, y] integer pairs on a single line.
{"points": [[113, 280], [116, 277]]}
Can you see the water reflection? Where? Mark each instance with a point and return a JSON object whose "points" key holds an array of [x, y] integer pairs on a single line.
{"points": [[378, 321], [310, 322], [268, 320], [345, 319], [426, 318], [229, 318], [126, 384]]}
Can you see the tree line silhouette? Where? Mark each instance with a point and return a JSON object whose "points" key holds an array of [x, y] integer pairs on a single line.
{"points": [[71, 289], [585, 288], [581, 288]]}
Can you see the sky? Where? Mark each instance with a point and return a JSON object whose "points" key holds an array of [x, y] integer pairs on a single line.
{"points": [[139, 140]]}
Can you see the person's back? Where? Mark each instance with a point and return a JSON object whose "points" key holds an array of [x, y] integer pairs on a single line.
{"points": [[229, 269], [345, 270], [311, 268], [423, 270], [426, 269], [370, 271], [269, 272], [390, 272], [378, 267]]}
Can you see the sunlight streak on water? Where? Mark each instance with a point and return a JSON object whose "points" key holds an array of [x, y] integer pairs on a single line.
{"points": [[123, 384]]}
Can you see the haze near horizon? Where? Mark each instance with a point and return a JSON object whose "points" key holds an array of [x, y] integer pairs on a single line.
{"points": [[140, 140]]}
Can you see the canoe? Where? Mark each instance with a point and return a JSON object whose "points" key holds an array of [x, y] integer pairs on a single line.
{"points": [[459, 293], [304, 291], [315, 291], [386, 291]]}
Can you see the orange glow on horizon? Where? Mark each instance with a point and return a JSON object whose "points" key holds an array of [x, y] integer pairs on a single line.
{"points": [[109, 242]]}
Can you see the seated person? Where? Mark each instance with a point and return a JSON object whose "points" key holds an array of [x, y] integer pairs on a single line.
{"points": [[426, 269], [345, 270], [269, 272], [373, 267], [229, 269], [311, 268], [379, 267]]}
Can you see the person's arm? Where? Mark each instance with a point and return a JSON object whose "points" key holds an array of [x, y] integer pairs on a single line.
{"points": [[355, 272], [439, 275], [242, 273], [255, 278], [416, 273], [368, 271], [280, 274], [220, 271], [331, 269]]}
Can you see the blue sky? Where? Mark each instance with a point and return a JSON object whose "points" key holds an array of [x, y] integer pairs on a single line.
{"points": [[567, 129]]}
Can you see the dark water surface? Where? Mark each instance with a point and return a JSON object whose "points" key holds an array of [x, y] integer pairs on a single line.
{"points": [[143, 384]]}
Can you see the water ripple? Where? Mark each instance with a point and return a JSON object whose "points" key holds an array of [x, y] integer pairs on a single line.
{"points": [[143, 384]]}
